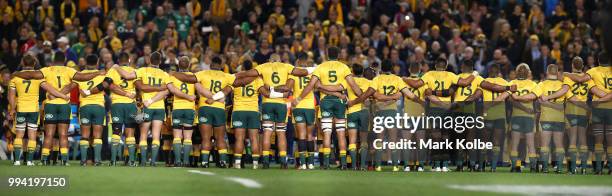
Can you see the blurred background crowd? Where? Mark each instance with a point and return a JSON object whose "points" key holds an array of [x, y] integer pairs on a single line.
{"points": [[505, 32]]}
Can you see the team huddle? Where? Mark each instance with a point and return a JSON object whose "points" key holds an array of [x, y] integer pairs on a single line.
{"points": [[331, 105]]}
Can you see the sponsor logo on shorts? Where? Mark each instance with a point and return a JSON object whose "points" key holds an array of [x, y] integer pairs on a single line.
{"points": [[325, 114], [266, 116], [115, 119], [237, 123], [20, 119], [516, 126], [48, 116], [176, 121], [299, 118], [351, 124], [546, 126], [84, 120], [574, 121], [203, 119]]}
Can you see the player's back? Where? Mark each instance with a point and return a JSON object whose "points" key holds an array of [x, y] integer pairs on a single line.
{"points": [[412, 107], [602, 77], [27, 94], [440, 81], [388, 84], [523, 87], [184, 87], [332, 72], [126, 85], [214, 81], [494, 110], [549, 87], [246, 97], [153, 77], [274, 74], [299, 83], [58, 77], [94, 99], [363, 84]]}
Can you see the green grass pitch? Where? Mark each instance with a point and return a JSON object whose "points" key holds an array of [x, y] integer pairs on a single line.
{"points": [[148, 181]]}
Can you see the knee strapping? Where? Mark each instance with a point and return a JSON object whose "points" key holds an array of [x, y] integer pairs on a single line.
{"points": [[281, 128], [268, 127], [326, 124], [340, 125]]}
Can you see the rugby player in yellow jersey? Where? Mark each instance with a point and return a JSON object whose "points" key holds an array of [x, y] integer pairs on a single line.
{"points": [[414, 108], [303, 115], [91, 112], [212, 86], [332, 73], [465, 105], [358, 118], [576, 114], [57, 111], [123, 110], [274, 109], [440, 81], [552, 118], [183, 113], [152, 82], [246, 117], [387, 89], [23, 109], [602, 109], [495, 91], [522, 122]]}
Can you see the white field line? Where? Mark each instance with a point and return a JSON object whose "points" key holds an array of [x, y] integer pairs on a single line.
{"points": [[538, 189], [242, 181]]}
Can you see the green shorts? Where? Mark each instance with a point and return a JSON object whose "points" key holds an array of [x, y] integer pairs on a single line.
{"points": [[181, 117], [332, 107], [92, 115], [154, 114], [301, 115], [577, 120], [602, 116], [386, 113], [522, 124], [57, 113], [124, 113], [211, 116], [275, 112], [246, 120], [27, 118], [552, 126], [496, 124], [359, 120]]}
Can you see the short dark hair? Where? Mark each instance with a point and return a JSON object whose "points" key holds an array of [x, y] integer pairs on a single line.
{"points": [[369, 73], [302, 56], [357, 69], [247, 65], [216, 60], [59, 57], [124, 57], [603, 58], [333, 52], [156, 58], [387, 66], [91, 59], [468, 63]]}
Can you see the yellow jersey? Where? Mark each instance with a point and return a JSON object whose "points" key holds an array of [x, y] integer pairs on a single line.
{"points": [[246, 98], [548, 87], [58, 77], [214, 81], [524, 87], [153, 77], [388, 84], [439, 81], [411, 107], [497, 111], [602, 78], [274, 74], [580, 91], [299, 83], [93, 99], [27, 94], [332, 73], [126, 85], [463, 92], [363, 84], [187, 88]]}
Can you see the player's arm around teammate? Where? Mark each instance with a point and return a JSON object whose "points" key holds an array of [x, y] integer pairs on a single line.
{"points": [[182, 114]]}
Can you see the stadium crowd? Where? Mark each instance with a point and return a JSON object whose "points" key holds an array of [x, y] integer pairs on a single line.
{"points": [[402, 34]]}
